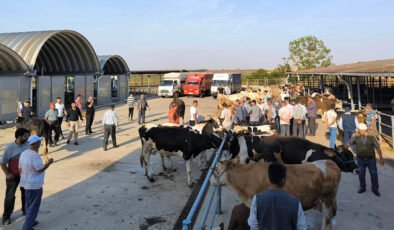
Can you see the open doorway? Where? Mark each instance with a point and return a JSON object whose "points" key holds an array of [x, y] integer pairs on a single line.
{"points": [[114, 87], [69, 90]]}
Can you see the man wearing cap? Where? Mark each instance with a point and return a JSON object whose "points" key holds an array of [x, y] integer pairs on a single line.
{"points": [[32, 171], [9, 163], [51, 117], [364, 146], [348, 123], [110, 123]]}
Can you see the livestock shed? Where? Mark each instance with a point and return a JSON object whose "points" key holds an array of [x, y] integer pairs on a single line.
{"points": [[14, 82], [113, 84], [360, 83]]}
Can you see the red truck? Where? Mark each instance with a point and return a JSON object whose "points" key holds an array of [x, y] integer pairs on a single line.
{"points": [[198, 84]]}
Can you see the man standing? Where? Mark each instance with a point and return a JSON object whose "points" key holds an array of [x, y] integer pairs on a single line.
{"points": [[51, 118], [79, 103], [247, 107], [348, 123], [32, 172], [74, 120], [370, 119], [27, 110], [142, 106], [89, 115], [311, 111], [61, 111], [291, 105], [110, 123], [255, 114], [285, 114], [9, 162], [194, 114], [130, 105], [299, 116], [331, 124], [364, 146], [274, 208], [226, 118]]}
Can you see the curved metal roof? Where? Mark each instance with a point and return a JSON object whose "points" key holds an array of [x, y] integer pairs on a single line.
{"points": [[58, 51], [113, 64], [11, 61]]}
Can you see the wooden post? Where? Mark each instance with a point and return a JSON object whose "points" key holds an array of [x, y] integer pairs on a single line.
{"points": [[358, 92]]}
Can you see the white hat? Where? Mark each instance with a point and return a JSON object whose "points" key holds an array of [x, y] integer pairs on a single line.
{"points": [[362, 126], [33, 139]]}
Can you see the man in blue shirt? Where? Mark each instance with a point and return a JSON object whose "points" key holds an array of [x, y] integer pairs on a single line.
{"points": [[274, 208]]}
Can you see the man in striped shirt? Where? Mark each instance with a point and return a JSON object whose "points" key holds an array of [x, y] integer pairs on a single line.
{"points": [[130, 104], [110, 122], [32, 171]]}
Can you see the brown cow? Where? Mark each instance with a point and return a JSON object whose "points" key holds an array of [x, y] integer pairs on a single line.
{"points": [[315, 183]]}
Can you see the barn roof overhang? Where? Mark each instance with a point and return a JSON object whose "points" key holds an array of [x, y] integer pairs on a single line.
{"points": [[113, 64], [11, 62]]}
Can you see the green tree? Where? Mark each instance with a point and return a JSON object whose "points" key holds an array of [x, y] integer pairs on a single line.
{"points": [[309, 52], [260, 73], [281, 70]]}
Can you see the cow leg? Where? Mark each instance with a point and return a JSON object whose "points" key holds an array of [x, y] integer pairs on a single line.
{"points": [[163, 164], [170, 167], [327, 215], [203, 160], [148, 170], [189, 173], [278, 157]]}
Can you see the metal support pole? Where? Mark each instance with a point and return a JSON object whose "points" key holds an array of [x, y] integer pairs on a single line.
{"points": [[358, 92], [219, 210], [350, 96], [392, 132], [380, 126]]}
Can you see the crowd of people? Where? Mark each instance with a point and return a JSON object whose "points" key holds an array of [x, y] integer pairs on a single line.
{"points": [[289, 114]]}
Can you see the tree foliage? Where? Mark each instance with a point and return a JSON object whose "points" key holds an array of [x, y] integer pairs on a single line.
{"points": [[309, 52]]}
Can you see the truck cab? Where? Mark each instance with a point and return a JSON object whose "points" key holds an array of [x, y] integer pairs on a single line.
{"points": [[198, 84], [172, 85], [230, 83]]}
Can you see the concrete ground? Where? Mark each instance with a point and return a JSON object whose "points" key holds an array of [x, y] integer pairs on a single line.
{"points": [[87, 188]]}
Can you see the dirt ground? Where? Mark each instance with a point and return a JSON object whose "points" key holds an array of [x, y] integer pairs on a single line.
{"points": [[87, 188]]}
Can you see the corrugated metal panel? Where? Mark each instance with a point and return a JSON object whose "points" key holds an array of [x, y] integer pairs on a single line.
{"points": [[123, 87], [104, 90], [113, 64], [59, 51], [379, 66], [11, 61], [43, 94]]}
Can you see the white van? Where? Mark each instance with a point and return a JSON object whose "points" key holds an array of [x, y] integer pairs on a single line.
{"points": [[230, 82], [172, 84]]}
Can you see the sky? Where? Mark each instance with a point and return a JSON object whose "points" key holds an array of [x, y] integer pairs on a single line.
{"points": [[212, 34]]}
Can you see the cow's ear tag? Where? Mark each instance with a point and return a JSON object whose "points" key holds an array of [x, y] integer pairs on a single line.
{"points": [[329, 152]]}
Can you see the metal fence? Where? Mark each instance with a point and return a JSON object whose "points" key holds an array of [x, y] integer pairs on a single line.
{"points": [[217, 191], [144, 89], [265, 81]]}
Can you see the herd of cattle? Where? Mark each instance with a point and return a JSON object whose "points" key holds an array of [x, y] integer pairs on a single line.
{"points": [[314, 170]]}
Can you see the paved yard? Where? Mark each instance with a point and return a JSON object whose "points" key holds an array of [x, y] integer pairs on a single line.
{"points": [[87, 188]]}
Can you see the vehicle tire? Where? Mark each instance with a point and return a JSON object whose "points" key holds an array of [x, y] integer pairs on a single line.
{"points": [[201, 94], [162, 96], [214, 97], [176, 94]]}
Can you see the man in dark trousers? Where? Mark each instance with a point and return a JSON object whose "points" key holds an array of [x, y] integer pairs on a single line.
{"points": [[311, 112], [274, 208], [110, 123], [9, 162], [74, 120], [142, 106], [89, 115], [348, 123], [364, 147], [51, 117]]}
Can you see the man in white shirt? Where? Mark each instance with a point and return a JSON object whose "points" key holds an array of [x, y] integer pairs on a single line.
{"points": [[226, 118], [32, 171], [285, 114], [110, 123], [194, 114], [331, 124], [60, 114]]}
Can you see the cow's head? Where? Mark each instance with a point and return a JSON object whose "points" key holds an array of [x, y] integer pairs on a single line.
{"points": [[221, 168], [210, 126], [343, 157]]}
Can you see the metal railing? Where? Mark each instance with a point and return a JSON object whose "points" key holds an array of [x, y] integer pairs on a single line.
{"points": [[188, 222], [265, 81]]}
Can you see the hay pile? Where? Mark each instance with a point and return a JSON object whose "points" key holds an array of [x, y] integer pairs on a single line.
{"points": [[229, 102]]}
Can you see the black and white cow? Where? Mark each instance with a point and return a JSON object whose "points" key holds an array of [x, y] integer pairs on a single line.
{"points": [[168, 141], [288, 150]]}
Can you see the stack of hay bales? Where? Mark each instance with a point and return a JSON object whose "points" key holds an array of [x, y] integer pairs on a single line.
{"points": [[230, 103]]}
